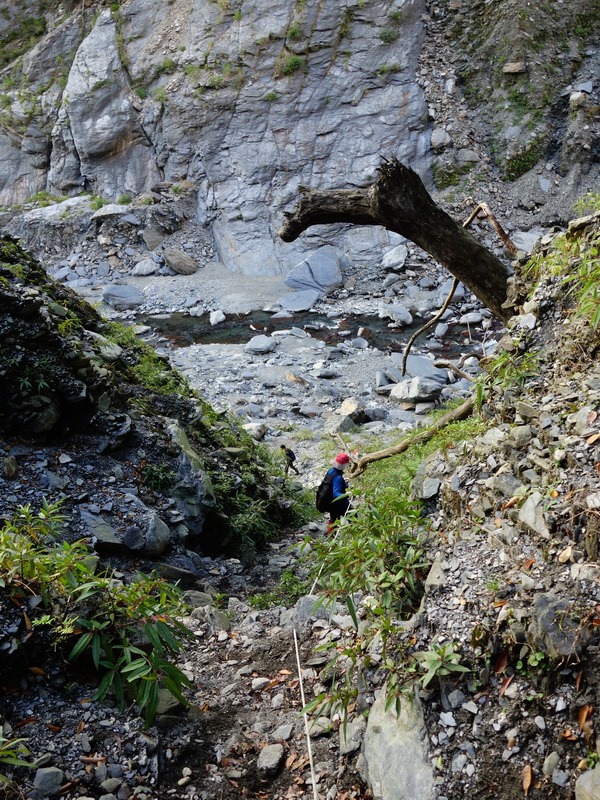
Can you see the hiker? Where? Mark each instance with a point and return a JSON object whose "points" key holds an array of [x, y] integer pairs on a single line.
{"points": [[290, 457], [340, 501]]}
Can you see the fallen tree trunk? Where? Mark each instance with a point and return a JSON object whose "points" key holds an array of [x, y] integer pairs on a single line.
{"points": [[399, 201], [461, 412]]}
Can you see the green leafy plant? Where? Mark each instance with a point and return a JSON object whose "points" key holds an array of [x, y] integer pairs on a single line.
{"points": [[536, 660], [157, 476], [291, 64], [270, 97], [588, 204], [124, 199], [129, 631], [97, 202], [160, 95], [11, 755], [388, 36], [289, 589], [294, 32], [439, 662]]}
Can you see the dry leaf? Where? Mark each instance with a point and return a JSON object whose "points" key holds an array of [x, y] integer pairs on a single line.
{"points": [[591, 417], [578, 679], [598, 467], [501, 662], [583, 715], [499, 603], [554, 493], [569, 735], [27, 621], [53, 728], [284, 672], [584, 720], [527, 775], [81, 727], [498, 522], [510, 503], [593, 438], [26, 721], [36, 670], [505, 684], [529, 563]]}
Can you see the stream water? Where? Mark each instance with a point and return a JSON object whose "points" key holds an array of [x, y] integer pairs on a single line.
{"points": [[182, 330]]}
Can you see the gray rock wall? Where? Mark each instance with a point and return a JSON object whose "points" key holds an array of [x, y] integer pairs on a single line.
{"points": [[247, 105]]}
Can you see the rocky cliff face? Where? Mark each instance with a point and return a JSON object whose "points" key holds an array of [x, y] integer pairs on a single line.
{"points": [[248, 102]]}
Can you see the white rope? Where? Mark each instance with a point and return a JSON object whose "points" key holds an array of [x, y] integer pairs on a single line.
{"points": [[310, 756]]}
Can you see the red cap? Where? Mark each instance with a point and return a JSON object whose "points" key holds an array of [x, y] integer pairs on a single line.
{"points": [[342, 458]]}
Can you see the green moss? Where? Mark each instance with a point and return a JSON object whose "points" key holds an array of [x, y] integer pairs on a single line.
{"points": [[523, 161], [290, 64], [445, 175]]}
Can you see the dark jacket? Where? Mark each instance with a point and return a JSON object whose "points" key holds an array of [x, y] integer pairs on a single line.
{"points": [[339, 487]]}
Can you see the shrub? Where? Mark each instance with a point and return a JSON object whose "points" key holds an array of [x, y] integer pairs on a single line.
{"points": [[124, 199], [388, 36], [128, 631], [160, 95], [294, 32], [291, 64]]}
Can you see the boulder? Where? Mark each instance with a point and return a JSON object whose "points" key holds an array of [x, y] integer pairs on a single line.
{"points": [[396, 752], [416, 390], [259, 345], [319, 272], [122, 296], [179, 261], [399, 314], [299, 301]]}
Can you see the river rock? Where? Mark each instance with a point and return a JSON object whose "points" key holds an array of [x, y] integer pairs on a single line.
{"points": [[48, 780], [319, 272], [122, 296], [144, 267], [179, 261], [216, 317], [299, 301], [259, 345], [399, 314], [416, 390]]}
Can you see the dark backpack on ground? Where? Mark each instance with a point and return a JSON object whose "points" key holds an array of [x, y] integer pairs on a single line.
{"points": [[324, 496]]}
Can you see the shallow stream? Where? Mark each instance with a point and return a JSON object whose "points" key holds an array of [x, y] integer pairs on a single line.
{"points": [[182, 330]]}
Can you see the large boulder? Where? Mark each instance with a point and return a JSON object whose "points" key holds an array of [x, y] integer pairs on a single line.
{"points": [[319, 272], [396, 752]]}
